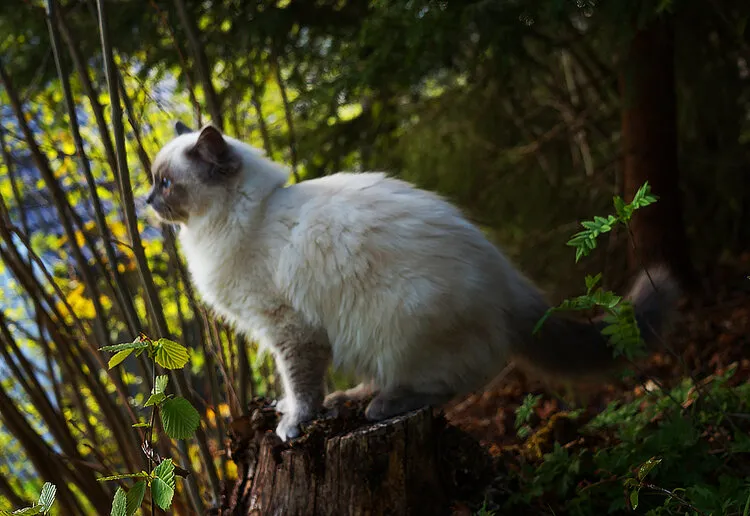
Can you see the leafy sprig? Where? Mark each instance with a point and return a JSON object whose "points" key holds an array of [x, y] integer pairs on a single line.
{"points": [[179, 419], [42, 506], [585, 241]]}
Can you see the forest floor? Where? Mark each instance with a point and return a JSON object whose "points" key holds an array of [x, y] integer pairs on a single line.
{"points": [[710, 335]]}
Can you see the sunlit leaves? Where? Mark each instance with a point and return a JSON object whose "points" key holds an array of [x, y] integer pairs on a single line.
{"points": [[163, 486], [161, 384], [124, 350], [119, 357], [138, 343], [42, 506], [170, 355]]}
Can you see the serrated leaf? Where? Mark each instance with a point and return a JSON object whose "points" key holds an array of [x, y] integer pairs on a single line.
{"points": [[142, 474], [134, 497], [592, 281], [161, 384], [119, 357], [119, 503], [165, 471], [161, 493], [171, 355], [647, 466], [180, 418], [136, 344], [47, 496], [155, 399], [28, 511]]}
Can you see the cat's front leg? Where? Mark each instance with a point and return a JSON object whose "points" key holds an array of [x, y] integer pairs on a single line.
{"points": [[302, 357]]}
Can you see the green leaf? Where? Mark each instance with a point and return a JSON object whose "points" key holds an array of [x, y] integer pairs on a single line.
{"points": [[634, 499], [136, 344], [171, 355], [155, 399], [161, 384], [47, 496], [142, 424], [28, 511], [165, 471], [119, 503], [180, 418], [135, 497], [592, 281], [142, 474], [647, 466], [119, 357], [526, 409], [161, 493]]}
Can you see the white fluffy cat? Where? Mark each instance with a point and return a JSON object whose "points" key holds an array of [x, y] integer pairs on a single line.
{"points": [[388, 281]]}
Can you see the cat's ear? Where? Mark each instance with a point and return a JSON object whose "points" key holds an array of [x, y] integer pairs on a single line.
{"points": [[213, 149], [211, 146], [181, 128]]}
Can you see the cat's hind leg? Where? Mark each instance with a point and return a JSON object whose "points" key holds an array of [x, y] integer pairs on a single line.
{"points": [[361, 392], [399, 400]]}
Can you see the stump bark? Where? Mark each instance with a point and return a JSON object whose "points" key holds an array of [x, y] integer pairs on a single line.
{"points": [[411, 464]]}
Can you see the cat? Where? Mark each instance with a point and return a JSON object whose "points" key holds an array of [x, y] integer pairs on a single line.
{"points": [[387, 281]]}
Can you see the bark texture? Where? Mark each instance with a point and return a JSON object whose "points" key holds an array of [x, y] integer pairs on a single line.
{"points": [[412, 464], [649, 136]]}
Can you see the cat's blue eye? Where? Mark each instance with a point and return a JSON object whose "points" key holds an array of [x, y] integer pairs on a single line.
{"points": [[166, 182]]}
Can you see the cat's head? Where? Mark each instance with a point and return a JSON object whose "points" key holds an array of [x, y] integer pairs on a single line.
{"points": [[193, 173]]}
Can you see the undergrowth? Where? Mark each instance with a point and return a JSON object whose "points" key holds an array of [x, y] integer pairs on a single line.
{"points": [[683, 450]]}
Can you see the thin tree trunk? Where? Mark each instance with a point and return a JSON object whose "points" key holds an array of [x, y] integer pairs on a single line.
{"points": [[152, 298], [288, 115], [649, 134], [201, 64]]}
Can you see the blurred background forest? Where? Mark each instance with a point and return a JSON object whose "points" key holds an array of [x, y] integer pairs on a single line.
{"points": [[530, 115]]}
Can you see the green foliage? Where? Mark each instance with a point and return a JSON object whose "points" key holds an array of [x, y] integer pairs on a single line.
{"points": [[653, 455], [179, 419], [524, 413], [135, 497], [621, 329], [585, 241], [667, 452], [163, 486], [170, 355], [42, 506]]}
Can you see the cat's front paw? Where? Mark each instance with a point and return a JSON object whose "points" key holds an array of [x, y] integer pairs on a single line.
{"points": [[289, 426], [282, 405]]}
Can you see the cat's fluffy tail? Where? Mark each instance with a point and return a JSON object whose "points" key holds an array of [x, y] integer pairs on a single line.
{"points": [[573, 348]]}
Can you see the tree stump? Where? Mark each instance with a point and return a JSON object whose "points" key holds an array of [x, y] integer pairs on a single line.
{"points": [[412, 464]]}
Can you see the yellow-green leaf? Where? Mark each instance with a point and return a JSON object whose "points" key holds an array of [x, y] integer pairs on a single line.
{"points": [[118, 357], [171, 355]]}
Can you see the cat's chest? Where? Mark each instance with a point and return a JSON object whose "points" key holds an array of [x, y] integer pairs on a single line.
{"points": [[230, 281]]}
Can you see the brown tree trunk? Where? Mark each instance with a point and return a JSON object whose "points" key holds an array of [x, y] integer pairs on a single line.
{"points": [[649, 136], [412, 464]]}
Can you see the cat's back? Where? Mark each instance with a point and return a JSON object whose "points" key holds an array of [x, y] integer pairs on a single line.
{"points": [[371, 233]]}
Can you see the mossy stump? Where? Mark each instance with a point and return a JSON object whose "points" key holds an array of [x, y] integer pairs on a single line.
{"points": [[412, 464]]}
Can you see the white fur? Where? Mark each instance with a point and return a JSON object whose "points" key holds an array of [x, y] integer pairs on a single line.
{"points": [[392, 279]]}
